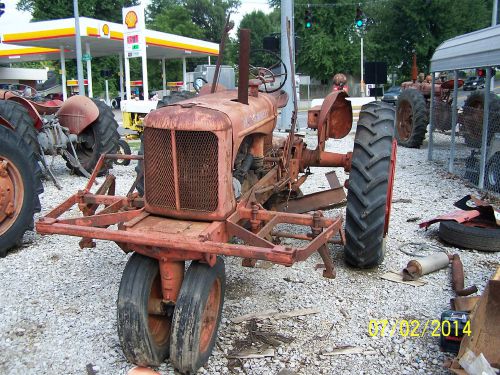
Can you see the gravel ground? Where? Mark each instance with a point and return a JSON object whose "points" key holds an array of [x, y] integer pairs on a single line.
{"points": [[58, 303]]}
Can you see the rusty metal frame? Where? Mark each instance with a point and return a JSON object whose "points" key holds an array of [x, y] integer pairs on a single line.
{"points": [[127, 212]]}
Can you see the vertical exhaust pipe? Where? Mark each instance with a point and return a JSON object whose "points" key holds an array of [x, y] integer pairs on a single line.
{"points": [[244, 62]]}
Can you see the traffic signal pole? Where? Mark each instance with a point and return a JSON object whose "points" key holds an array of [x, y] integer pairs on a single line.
{"points": [[362, 83]]}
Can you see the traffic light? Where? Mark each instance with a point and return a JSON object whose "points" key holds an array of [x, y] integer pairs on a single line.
{"points": [[481, 72], [2, 8], [359, 20], [308, 19]]}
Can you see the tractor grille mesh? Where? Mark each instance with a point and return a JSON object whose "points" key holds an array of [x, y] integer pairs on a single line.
{"points": [[197, 168]]}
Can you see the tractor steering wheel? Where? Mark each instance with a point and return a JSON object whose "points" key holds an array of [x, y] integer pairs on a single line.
{"points": [[267, 67]]}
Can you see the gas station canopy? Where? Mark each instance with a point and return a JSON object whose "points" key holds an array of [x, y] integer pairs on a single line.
{"points": [[37, 41]]}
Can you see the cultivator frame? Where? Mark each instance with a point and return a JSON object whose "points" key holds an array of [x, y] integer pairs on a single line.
{"points": [[173, 240]]}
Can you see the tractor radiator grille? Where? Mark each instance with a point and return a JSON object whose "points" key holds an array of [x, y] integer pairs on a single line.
{"points": [[196, 153]]}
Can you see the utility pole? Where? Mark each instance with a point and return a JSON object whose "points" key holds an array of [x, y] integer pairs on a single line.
{"points": [[287, 13], [78, 43]]}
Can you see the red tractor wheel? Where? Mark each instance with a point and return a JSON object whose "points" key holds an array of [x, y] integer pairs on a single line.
{"points": [[20, 186], [411, 118], [144, 334], [370, 186], [197, 316]]}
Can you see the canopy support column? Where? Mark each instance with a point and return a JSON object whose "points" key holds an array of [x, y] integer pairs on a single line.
{"points": [[184, 77], [164, 77], [63, 74], [120, 59], [89, 72]]}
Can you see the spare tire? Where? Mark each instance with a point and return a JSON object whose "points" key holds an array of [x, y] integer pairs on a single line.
{"points": [[470, 237], [472, 118], [411, 118]]}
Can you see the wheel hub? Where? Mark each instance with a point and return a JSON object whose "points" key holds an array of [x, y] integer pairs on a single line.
{"points": [[11, 194], [210, 315], [404, 122]]}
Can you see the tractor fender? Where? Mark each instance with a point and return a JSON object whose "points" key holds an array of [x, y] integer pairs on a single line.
{"points": [[334, 118], [77, 113], [32, 111]]}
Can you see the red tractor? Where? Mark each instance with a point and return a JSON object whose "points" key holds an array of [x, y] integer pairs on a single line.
{"points": [[218, 182], [79, 130], [412, 108]]}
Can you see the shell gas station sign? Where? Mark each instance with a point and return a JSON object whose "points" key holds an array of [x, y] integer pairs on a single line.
{"points": [[134, 26]]}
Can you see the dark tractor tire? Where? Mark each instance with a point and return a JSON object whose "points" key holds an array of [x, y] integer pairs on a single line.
{"points": [[123, 149], [197, 316], [139, 170], [100, 137], [370, 186], [473, 118], [24, 173], [411, 118], [20, 120], [144, 337], [470, 237], [492, 174]]}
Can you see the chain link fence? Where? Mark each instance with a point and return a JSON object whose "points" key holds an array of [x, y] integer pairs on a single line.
{"points": [[460, 152]]}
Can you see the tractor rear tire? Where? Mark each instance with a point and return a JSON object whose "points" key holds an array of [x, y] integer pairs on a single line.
{"points": [[370, 186], [100, 137], [411, 118], [473, 118], [23, 170], [144, 337], [197, 316], [18, 117]]}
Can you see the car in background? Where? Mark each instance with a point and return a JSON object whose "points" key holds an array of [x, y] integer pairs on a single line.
{"points": [[474, 83], [391, 95]]}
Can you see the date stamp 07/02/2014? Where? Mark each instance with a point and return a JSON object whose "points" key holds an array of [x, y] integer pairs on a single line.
{"points": [[417, 328]]}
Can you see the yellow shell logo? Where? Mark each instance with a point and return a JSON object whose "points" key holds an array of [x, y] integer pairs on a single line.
{"points": [[131, 19], [105, 29]]}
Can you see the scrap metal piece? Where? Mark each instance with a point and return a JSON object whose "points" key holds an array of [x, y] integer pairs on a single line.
{"points": [[417, 268], [457, 278]]}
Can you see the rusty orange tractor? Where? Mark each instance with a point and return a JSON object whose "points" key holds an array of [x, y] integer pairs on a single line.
{"points": [[217, 182]]}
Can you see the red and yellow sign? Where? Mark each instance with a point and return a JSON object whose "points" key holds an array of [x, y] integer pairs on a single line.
{"points": [[131, 19]]}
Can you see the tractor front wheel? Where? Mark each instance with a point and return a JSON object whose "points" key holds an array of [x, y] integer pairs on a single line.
{"points": [[197, 316], [411, 118], [370, 186], [144, 334]]}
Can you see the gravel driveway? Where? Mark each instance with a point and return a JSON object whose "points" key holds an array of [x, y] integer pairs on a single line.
{"points": [[58, 311]]}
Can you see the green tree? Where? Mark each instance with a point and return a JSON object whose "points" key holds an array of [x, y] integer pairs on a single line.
{"points": [[109, 10], [260, 26], [402, 27]]}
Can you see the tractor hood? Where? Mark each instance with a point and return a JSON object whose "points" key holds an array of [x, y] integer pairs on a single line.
{"points": [[218, 112]]}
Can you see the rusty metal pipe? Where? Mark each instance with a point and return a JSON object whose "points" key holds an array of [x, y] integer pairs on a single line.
{"points": [[244, 62], [457, 278], [313, 158]]}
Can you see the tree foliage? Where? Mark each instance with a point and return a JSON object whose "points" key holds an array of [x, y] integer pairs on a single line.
{"points": [[406, 26], [42, 10]]}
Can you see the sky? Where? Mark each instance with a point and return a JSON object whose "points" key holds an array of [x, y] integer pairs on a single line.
{"points": [[14, 17]]}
